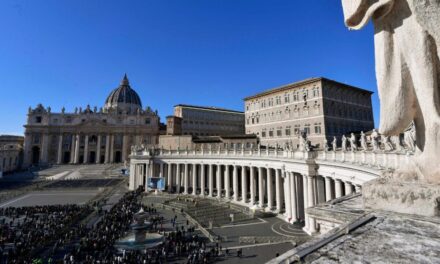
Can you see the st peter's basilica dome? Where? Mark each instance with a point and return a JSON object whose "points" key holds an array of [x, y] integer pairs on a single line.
{"points": [[123, 98]]}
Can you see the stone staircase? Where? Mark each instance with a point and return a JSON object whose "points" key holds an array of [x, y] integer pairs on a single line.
{"points": [[56, 169], [265, 239], [72, 172], [209, 212]]}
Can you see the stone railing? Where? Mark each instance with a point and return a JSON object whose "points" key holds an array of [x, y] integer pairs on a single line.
{"points": [[375, 159], [380, 159], [268, 153]]}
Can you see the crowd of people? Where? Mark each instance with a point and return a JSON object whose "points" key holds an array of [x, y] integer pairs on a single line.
{"points": [[98, 244], [38, 234], [27, 231]]}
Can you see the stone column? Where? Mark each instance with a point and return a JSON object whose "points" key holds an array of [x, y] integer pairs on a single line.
{"points": [[202, 179], [144, 175], [132, 180], [305, 200], [260, 188], [178, 178], [194, 179], [338, 188], [161, 170], [170, 175], [107, 149], [219, 181], [252, 185], [293, 200], [278, 189], [77, 141], [28, 150], [243, 184], [235, 182], [269, 188], [185, 179], [72, 149], [311, 202], [124, 147], [287, 194], [60, 149], [328, 189], [86, 149], [136, 176], [348, 188], [112, 148], [227, 183], [98, 150], [211, 180], [45, 149]]}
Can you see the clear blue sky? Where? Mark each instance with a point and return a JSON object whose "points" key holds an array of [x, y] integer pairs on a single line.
{"points": [[205, 52]]}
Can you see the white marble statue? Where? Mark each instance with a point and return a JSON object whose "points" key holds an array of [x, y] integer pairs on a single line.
{"points": [[302, 141], [335, 143], [353, 144], [407, 36], [387, 143], [344, 143], [409, 138], [326, 146], [396, 141], [375, 140], [363, 141]]}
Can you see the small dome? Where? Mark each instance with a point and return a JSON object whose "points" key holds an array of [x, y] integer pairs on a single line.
{"points": [[123, 98]]}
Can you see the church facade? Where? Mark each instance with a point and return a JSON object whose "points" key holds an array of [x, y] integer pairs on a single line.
{"points": [[90, 135]]}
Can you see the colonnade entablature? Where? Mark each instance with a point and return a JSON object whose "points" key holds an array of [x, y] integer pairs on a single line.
{"points": [[280, 181]]}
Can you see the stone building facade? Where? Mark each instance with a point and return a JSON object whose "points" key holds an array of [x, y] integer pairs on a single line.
{"points": [[205, 121], [183, 142], [89, 135], [320, 107], [11, 150]]}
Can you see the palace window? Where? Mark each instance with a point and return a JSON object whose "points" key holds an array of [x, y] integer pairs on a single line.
{"points": [[147, 121], [287, 132], [307, 129], [295, 96], [315, 92], [279, 132], [271, 133], [38, 119], [296, 129], [286, 98], [317, 128]]}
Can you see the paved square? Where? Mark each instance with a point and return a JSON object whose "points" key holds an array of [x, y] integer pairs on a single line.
{"points": [[50, 198]]}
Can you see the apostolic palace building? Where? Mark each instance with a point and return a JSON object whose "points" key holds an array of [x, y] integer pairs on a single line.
{"points": [[90, 135], [320, 107]]}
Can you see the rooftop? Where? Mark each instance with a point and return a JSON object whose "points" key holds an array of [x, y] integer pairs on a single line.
{"points": [[301, 83], [211, 108], [386, 237]]}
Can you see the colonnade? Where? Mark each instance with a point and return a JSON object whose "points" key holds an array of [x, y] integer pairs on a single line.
{"points": [[269, 188], [103, 149]]}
